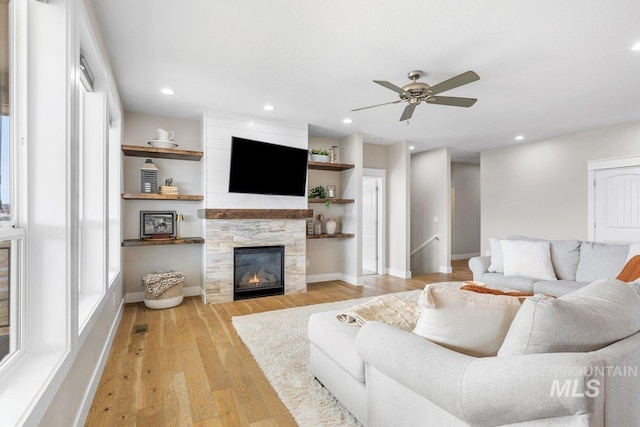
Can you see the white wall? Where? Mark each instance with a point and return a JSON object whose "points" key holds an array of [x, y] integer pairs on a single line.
{"points": [[540, 189], [431, 202], [398, 209], [219, 130], [187, 176], [465, 210]]}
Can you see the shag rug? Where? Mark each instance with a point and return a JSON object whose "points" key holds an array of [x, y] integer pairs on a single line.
{"points": [[278, 341]]}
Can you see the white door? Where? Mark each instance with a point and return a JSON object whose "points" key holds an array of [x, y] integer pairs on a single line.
{"points": [[617, 204], [370, 224]]}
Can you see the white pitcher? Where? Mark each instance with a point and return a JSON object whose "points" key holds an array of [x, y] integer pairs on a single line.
{"points": [[165, 135]]}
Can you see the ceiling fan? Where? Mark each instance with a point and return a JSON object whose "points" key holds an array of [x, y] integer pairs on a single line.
{"points": [[415, 92]]}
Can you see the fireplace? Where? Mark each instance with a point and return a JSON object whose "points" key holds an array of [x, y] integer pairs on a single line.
{"points": [[258, 271]]}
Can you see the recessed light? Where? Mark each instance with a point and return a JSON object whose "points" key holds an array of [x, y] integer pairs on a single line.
{"points": [[347, 121], [519, 138], [411, 147], [636, 46], [269, 107], [168, 91]]}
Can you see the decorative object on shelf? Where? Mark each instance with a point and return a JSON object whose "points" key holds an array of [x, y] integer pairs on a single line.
{"points": [[319, 155], [318, 226], [157, 224], [148, 177], [331, 226], [320, 193], [331, 191], [310, 227], [165, 139], [333, 154], [165, 135], [179, 221], [168, 188]]}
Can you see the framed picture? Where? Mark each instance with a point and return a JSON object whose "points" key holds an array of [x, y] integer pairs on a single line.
{"points": [[157, 224]]}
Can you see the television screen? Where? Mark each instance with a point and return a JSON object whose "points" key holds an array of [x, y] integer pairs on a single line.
{"points": [[263, 168]]}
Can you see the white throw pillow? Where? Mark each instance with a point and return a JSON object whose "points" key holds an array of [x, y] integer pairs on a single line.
{"points": [[465, 321], [634, 249], [528, 259], [496, 256], [588, 319]]}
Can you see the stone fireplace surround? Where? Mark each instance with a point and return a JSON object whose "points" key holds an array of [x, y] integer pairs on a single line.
{"points": [[229, 228]]}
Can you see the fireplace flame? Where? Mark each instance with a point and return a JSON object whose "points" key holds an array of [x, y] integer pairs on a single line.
{"points": [[254, 279]]}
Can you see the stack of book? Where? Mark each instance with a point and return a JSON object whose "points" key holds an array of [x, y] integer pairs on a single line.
{"points": [[168, 189]]}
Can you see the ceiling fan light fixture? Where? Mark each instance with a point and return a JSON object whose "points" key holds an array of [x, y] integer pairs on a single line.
{"points": [[269, 107], [636, 47], [347, 121], [168, 91]]}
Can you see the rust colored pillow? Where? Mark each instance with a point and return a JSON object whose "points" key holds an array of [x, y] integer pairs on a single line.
{"points": [[631, 270], [485, 290]]}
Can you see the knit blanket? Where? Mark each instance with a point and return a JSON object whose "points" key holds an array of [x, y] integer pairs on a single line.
{"points": [[401, 310], [157, 283]]}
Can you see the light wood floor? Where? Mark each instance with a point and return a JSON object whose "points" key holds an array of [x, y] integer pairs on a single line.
{"points": [[191, 368]]}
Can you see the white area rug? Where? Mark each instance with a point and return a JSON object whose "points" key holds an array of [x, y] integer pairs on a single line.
{"points": [[278, 341]]}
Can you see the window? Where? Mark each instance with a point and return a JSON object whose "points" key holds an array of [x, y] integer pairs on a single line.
{"points": [[114, 190]]}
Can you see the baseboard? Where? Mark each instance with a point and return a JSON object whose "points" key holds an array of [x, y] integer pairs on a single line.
{"points": [[192, 291], [399, 273], [458, 257], [446, 269], [352, 280], [315, 278], [97, 373], [203, 295]]}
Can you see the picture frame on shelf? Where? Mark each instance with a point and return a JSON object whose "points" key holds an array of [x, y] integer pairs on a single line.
{"points": [[158, 225]]}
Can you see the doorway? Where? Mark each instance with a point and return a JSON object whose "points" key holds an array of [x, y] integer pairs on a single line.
{"points": [[373, 225]]}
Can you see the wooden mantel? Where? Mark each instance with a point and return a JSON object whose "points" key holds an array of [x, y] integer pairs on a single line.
{"points": [[255, 213]]}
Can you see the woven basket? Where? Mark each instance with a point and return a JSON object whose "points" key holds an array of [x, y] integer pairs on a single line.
{"points": [[169, 298]]}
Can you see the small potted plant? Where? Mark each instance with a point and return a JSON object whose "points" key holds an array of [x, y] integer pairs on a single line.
{"points": [[319, 155], [320, 193]]}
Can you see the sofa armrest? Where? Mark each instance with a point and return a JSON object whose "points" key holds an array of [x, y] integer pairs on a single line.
{"points": [[484, 391], [479, 265]]}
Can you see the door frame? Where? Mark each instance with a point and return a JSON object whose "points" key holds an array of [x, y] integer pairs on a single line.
{"points": [[381, 176], [592, 167]]}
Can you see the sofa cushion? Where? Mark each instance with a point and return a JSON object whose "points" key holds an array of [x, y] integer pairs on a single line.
{"points": [[337, 340], [565, 255], [498, 280], [588, 319], [496, 265], [464, 321], [600, 261], [557, 288], [527, 259]]}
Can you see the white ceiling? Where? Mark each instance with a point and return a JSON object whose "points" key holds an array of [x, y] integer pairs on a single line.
{"points": [[546, 67]]}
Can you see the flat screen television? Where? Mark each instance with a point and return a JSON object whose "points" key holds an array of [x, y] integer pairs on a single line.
{"points": [[264, 168]]}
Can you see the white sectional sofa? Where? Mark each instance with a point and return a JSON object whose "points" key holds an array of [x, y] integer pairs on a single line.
{"points": [[575, 264], [575, 363]]}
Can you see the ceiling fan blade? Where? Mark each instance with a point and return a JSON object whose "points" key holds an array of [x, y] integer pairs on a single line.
{"points": [[451, 100], [408, 112], [392, 87], [455, 82], [371, 106]]}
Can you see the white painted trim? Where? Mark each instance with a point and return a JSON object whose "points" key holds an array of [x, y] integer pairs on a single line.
{"points": [[445, 269], [203, 296], [614, 162], [191, 291], [399, 273], [381, 174], [315, 278], [352, 280], [87, 400], [457, 257]]}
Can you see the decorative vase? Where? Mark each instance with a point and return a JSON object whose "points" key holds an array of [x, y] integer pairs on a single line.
{"points": [[331, 225], [320, 158]]}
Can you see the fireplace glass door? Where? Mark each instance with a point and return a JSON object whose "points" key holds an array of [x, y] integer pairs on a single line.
{"points": [[258, 271]]}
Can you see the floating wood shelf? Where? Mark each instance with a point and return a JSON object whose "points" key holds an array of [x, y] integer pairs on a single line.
{"points": [[329, 166], [161, 153], [330, 236], [157, 242], [255, 213], [154, 196], [311, 200]]}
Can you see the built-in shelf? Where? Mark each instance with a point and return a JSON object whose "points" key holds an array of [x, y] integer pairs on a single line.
{"points": [[157, 242], [330, 236], [329, 166], [255, 213], [332, 200], [154, 196], [161, 153]]}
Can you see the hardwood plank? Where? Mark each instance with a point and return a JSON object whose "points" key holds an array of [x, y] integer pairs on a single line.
{"points": [[206, 375]]}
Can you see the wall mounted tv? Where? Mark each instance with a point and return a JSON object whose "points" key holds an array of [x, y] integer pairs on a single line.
{"points": [[264, 168]]}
